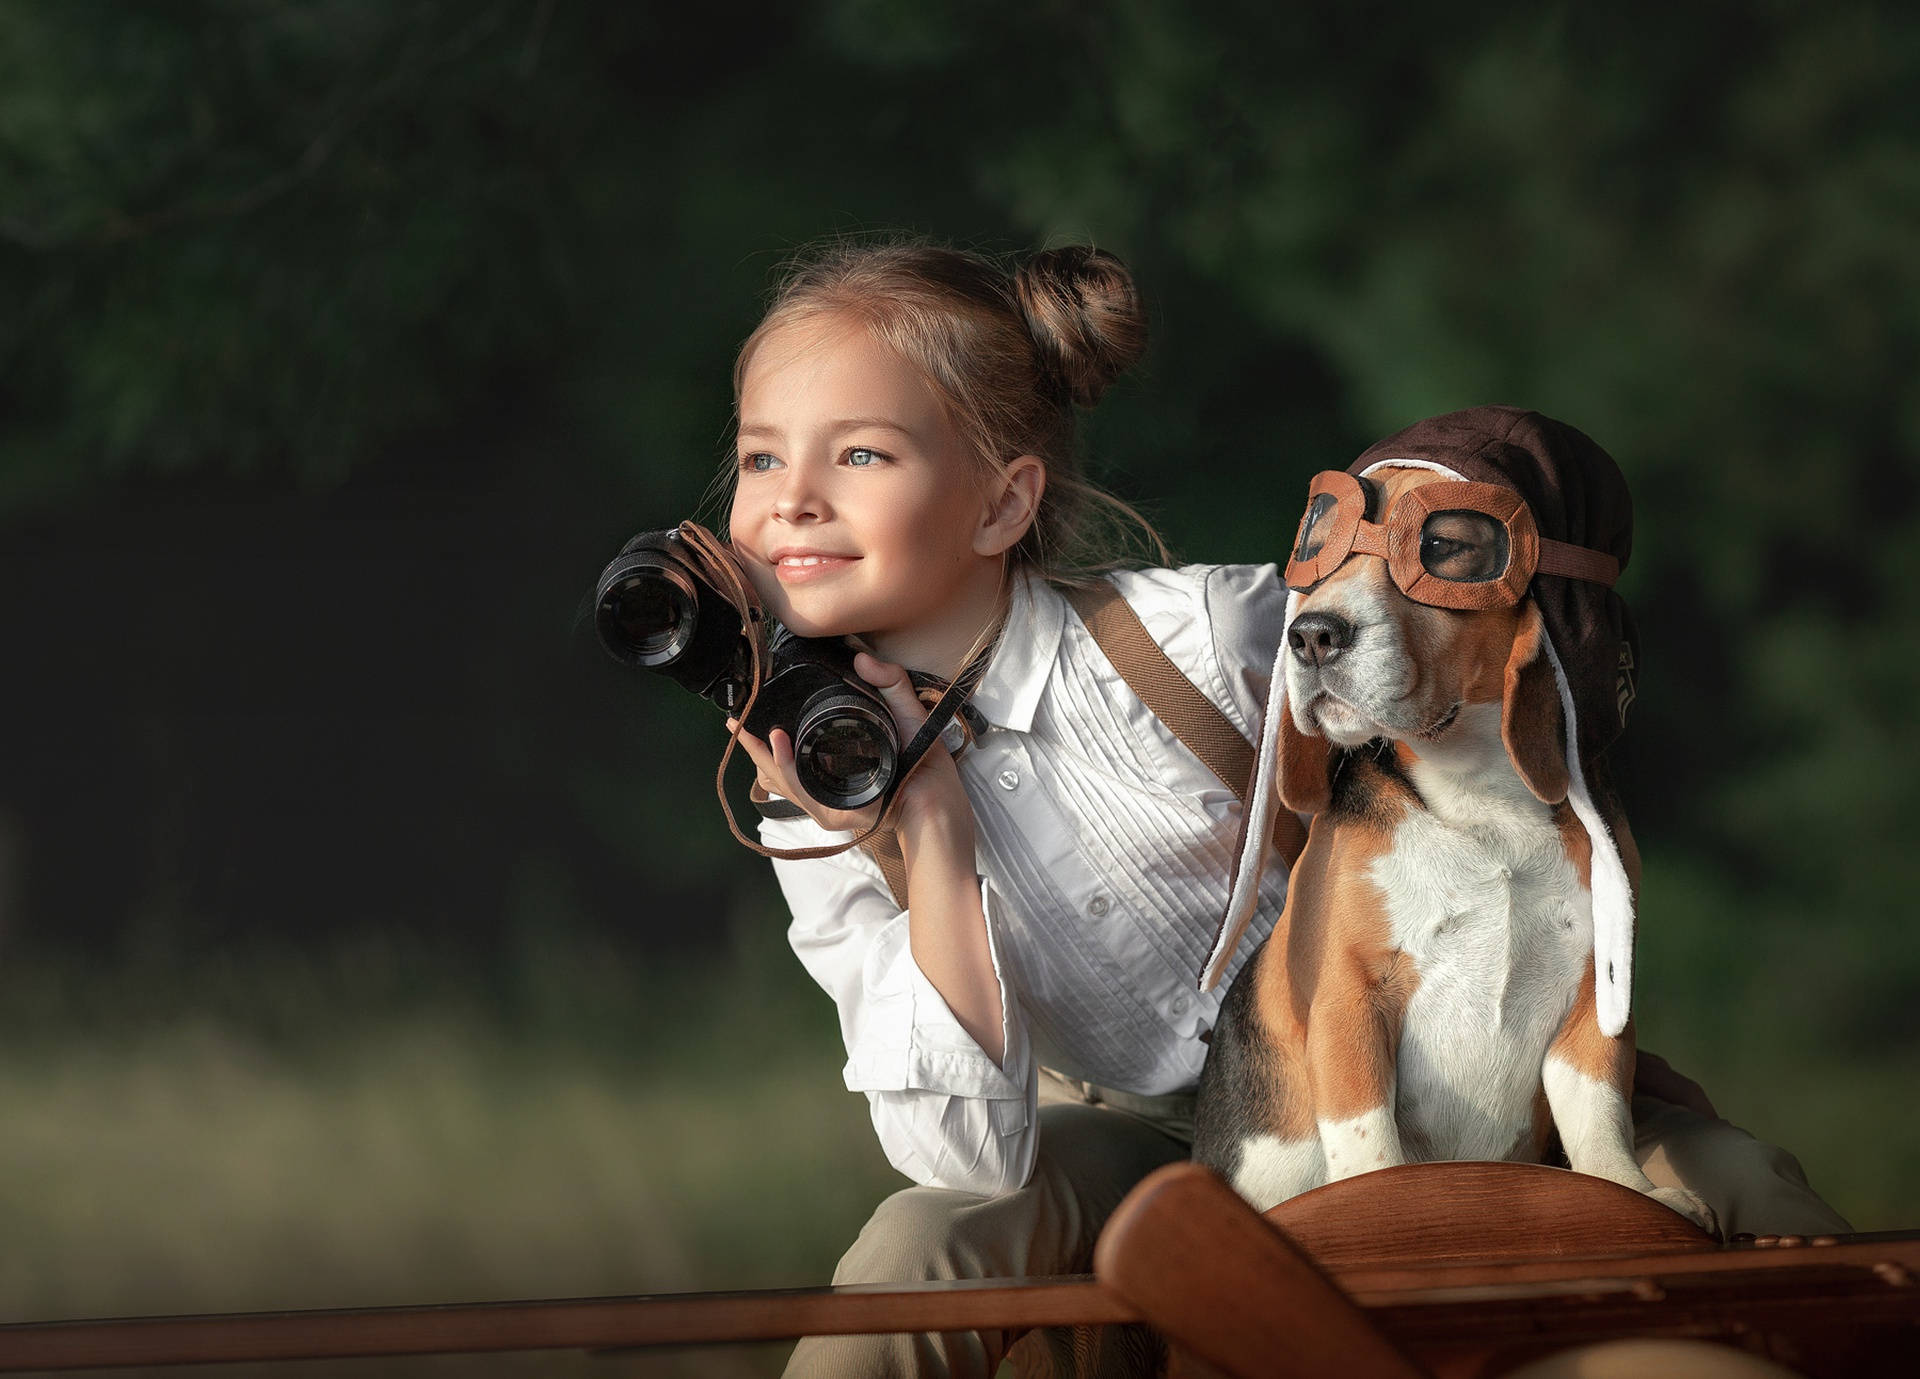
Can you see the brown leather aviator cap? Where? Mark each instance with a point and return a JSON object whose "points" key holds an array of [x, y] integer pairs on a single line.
{"points": [[1578, 497]]}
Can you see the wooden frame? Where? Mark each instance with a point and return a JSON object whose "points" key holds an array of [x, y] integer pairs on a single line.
{"points": [[1408, 1275]]}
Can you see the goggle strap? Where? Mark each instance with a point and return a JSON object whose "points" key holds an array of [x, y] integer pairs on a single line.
{"points": [[1576, 562]]}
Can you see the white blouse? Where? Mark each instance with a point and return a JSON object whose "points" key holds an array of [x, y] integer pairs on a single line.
{"points": [[1104, 848]]}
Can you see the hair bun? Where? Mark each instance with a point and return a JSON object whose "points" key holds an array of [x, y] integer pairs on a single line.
{"points": [[1085, 315]]}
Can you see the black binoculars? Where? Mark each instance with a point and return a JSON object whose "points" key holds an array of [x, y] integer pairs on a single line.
{"points": [[661, 605]]}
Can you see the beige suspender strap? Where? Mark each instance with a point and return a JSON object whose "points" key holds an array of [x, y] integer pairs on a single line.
{"points": [[884, 848], [1194, 719], [1189, 715]]}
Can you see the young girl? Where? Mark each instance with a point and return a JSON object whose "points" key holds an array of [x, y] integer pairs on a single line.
{"points": [[1027, 1032]]}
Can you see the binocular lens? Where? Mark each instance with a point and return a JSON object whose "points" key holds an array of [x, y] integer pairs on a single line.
{"points": [[844, 754], [648, 616]]}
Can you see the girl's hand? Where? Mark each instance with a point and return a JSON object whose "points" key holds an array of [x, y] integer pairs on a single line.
{"points": [[1654, 1076], [933, 795]]}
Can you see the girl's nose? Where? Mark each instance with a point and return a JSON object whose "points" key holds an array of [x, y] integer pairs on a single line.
{"points": [[799, 498]]}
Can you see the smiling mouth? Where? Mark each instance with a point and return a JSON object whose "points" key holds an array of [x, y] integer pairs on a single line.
{"points": [[798, 569]]}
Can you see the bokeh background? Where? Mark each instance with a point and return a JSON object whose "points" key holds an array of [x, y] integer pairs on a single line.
{"points": [[366, 936]]}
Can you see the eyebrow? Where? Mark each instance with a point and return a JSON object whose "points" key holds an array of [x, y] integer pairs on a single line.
{"points": [[839, 426]]}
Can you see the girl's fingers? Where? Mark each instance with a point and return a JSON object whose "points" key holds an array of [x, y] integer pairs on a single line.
{"points": [[882, 675], [895, 687], [773, 761], [763, 758], [773, 757]]}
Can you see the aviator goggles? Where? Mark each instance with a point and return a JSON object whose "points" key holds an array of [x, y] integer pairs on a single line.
{"points": [[1452, 544]]}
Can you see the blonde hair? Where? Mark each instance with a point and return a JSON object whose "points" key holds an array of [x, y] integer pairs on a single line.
{"points": [[1010, 354]]}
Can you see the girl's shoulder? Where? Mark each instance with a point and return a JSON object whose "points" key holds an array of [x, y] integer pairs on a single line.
{"points": [[1240, 608], [1220, 625], [1198, 590]]}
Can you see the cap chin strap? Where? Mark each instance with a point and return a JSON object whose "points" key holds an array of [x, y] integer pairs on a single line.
{"points": [[1612, 893], [1262, 807]]}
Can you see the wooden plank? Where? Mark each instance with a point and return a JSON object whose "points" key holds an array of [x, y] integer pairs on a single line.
{"points": [[1225, 1285], [1890, 1256], [1824, 1323], [586, 1323]]}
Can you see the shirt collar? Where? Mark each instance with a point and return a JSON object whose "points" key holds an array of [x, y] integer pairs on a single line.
{"points": [[1009, 692]]}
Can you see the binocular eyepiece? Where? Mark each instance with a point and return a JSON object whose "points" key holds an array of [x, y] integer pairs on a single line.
{"points": [[660, 605]]}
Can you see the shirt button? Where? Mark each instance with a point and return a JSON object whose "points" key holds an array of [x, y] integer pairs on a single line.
{"points": [[1009, 779], [1179, 1005], [1097, 905]]}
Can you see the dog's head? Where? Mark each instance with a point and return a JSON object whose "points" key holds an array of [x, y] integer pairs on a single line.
{"points": [[1364, 660]]}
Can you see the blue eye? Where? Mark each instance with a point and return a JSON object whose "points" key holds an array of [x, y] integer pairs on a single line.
{"points": [[861, 458], [758, 462]]}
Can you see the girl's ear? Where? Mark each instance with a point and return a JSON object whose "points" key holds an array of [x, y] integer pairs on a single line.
{"points": [[1013, 501]]}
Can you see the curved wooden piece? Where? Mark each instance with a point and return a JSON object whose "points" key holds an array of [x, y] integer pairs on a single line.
{"points": [[1444, 1213], [1203, 1268]]}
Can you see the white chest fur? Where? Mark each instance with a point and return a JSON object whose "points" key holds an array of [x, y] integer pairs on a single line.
{"points": [[1481, 894]]}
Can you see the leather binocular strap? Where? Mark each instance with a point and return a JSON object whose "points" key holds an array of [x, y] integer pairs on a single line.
{"points": [[1169, 695]]}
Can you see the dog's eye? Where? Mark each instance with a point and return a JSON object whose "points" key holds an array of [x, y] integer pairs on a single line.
{"points": [[1465, 547]]}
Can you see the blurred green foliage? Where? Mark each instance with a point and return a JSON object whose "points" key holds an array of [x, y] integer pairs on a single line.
{"points": [[383, 1127], [415, 310]]}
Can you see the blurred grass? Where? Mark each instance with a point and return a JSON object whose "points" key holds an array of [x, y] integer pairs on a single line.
{"points": [[377, 1126], [374, 1129]]}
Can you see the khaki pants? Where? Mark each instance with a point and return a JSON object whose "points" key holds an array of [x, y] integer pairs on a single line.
{"points": [[1096, 1144]]}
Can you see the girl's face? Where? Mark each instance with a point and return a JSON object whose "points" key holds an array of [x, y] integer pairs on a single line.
{"points": [[858, 507]]}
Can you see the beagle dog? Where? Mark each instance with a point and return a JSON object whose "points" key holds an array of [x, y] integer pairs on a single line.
{"points": [[1429, 991]]}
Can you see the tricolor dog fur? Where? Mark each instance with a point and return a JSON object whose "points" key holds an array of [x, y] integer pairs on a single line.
{"points": [[1451, 976]]}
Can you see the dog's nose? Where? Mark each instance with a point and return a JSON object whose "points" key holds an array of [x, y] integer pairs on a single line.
{"points": [[1319, 638]]}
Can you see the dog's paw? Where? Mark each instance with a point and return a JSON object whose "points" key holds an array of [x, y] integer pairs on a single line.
{"points": [[1688, 1205]]}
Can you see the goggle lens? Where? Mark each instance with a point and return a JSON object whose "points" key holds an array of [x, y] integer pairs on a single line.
{"points": [[1464, 547], [1314, 526]]}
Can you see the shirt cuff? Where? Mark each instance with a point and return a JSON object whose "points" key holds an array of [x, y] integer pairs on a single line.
{"points": [[912, 1040]]}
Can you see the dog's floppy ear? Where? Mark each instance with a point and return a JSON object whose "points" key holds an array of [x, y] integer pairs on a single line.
{"points": [[1304, 786], [1532, 724]]}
